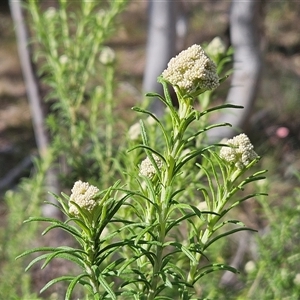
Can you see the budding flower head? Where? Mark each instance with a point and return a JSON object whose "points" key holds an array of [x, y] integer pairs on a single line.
{"points": [[192, 71], [50, 13], [107, 56], [134, 131], [63, 59], [240, 151], [216, 48], [82, 194], [147, 169]]}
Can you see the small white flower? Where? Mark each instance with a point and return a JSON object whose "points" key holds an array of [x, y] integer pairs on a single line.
{"points": [[240, 151], [50, 13], [147, 169], [134, 131], [107, 56], [215, 47], [82, 195], [192, 70], [250, 267], [297, 279], [63, 59]]}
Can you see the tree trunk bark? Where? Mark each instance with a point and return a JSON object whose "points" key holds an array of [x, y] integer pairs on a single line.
{"points": [[245, 33], [32, 89], [161, 47]]}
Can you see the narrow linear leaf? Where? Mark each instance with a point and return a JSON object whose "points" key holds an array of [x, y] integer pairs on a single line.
{"points": [[58, 252], [71, 230], [53, 281], [106, 286], [73, 284], [39, 249], [144, 231], [186, 251], [225, 234], [212, 268]]}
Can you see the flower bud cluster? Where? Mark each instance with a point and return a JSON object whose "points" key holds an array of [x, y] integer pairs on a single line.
{"points": [[192, 70], [134, 131], [82, 195], [107, 56], [147, 169], [216, 47], [240, 151]]}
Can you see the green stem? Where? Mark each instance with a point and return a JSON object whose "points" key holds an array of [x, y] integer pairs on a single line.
{"points": [[159, 256], [109, 118], [194, 266]]}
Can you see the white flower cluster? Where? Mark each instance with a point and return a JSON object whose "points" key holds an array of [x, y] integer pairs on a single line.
{"points": [[107, 56], [215, 47], [240, 151], [82, 195], [191, 70], [147, 169]]}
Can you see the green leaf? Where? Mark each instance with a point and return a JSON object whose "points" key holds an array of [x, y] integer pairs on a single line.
{"points": [[144, 231], [236, 222], [242, 200], [106, 286], [191, 155], [177, 222], [65, 251], [212, 268], [73, 284], [197, 212], [136, 280], [113, 266], [41, 219], [175, 271], [220, 107], [150, 255], [120, 229], [127, 263], [37, 259], [144, 134], [39, 249], [208, 128], [55, 280], [225, 234], [66, 228], [212, 204], [153, 95], [80, 223], [158, 122], [57, 206], [185, 250]]}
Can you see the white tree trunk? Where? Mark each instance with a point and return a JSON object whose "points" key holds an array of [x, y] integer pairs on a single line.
{"points": [[35, 104], [161, 46], [245, 20]]}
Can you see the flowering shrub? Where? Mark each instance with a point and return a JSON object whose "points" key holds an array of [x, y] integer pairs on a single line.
{"points": [[147, 235]]}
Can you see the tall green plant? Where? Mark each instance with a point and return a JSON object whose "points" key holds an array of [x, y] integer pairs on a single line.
{"points": [[22, 203], [79, 69], [162, 250], [278, 259]]}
